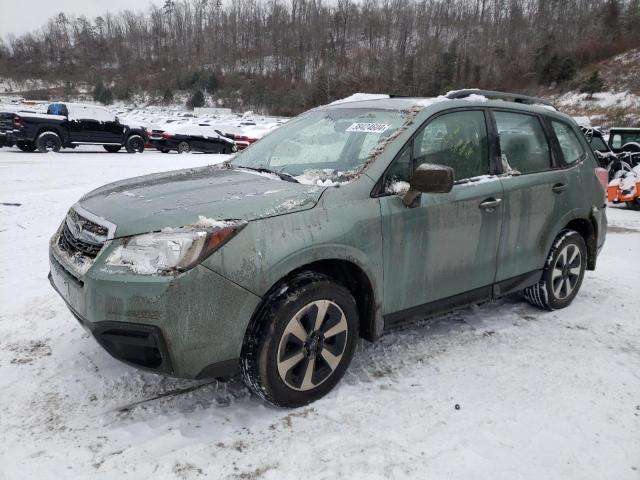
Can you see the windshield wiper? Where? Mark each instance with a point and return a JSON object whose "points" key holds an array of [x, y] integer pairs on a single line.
{"points": [[287, 177]]}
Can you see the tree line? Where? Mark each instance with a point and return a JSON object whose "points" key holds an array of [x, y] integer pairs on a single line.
{"points": [[286, 56]]}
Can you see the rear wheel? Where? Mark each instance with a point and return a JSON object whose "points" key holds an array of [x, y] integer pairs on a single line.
{"points": [[134, 144], [184, 147], [301, 342], [563, 273], [112, 148], [26, 146], [48, 142]]}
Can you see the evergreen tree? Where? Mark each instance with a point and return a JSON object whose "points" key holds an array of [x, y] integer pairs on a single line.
{"points": [[593, 84], [167, 97], [567, 70], [196, 100]]}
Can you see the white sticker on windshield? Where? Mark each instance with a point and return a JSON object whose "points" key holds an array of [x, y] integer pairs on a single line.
{"points": [[368, 127]]}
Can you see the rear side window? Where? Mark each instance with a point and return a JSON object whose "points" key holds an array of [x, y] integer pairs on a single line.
{"points": [[457, 140], [523, 142], [571, 147]]}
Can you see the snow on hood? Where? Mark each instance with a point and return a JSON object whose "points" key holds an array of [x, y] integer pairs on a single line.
{"points": [[175, 199]]}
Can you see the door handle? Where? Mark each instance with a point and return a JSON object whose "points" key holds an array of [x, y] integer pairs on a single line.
{"points": [[491, 204], [559, 187]]}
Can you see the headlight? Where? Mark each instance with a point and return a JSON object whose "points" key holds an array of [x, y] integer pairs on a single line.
{"points": [[172, 250]]}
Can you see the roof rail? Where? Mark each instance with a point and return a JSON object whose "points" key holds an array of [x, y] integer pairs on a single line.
{"points": [[492, 94]]}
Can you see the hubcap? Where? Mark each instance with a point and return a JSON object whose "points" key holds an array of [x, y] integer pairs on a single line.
{"points": [[566, 272], [312, 345]]}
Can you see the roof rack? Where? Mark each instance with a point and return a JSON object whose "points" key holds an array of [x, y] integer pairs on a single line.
{"points": [[512, 97]]}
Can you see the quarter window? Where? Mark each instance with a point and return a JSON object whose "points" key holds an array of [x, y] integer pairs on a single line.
{"points": [[457, 140], [523, 142], [571, 147]]}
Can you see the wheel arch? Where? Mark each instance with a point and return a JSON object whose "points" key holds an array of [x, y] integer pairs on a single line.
{"points": [[52, 129], [351, 276], [588, 231]]}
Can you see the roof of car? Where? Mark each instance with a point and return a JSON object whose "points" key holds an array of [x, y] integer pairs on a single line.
{"points": [[442, 103]]}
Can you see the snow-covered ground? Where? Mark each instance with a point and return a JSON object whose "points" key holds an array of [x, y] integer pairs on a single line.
{"points": [[540, 394]]}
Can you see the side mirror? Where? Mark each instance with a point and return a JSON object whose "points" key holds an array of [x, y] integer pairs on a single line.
{"points": [[429, 178]]}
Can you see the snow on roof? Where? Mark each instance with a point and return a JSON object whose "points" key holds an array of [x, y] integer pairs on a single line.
{"points": [[360, 97]]}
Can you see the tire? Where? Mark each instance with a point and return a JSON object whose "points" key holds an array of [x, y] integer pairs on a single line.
{"points": [[112, 148], [562, 275], [48, 142], [277, 364], [634, 204], [26, 146], [165, 150], [184, 147], [134, 144]]}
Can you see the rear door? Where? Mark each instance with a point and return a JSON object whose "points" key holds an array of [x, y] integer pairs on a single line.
{"points": [[536, 193], [445, 245]]}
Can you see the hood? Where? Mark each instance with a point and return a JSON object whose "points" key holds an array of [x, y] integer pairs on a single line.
{"points": [[178, 198]]}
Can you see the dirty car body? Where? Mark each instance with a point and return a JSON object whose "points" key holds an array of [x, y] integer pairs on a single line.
{"points": [[319, 210]]}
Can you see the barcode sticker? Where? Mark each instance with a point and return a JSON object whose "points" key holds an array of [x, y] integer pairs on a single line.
{"points": [[368, 127]]}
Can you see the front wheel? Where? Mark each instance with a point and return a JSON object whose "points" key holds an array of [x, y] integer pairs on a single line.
{"points": [[48, 142], [134, 144], [112, 148], [301, 341], [563, 273]]}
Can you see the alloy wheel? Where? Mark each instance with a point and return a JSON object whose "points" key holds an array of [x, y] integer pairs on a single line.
{"points": [[312, 345], [566, 272]]}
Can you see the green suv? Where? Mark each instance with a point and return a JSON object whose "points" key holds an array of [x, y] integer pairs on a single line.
{"points": [[347, 221]]}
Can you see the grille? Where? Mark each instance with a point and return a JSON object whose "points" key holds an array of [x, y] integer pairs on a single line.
{"points": [[6, 123], [73, 245], [88, 225]]}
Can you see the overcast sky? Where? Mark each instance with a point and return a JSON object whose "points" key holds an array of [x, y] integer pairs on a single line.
{"points": [[21, 16]]}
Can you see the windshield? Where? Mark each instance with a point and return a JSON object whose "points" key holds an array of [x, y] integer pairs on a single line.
{"points": [[322, 145], [597, 144]]}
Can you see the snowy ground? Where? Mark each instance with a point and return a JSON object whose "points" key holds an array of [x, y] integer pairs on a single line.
{"points": [[541, 395]]}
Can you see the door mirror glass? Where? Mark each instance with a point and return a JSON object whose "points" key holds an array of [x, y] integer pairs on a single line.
{"points": [[429, 178]]}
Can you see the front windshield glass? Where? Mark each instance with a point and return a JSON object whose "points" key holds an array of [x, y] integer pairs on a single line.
{"points": [[327, 145], [597, 144]]}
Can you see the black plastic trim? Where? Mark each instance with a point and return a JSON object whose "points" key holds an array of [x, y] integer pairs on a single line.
{"points": [[224, 369]]}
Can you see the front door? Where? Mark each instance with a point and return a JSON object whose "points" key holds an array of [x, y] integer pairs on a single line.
{"points": [[113, 132], [445, 246]]}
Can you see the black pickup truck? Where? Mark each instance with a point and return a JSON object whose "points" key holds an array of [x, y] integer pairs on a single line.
{"points": [[66, 125]]}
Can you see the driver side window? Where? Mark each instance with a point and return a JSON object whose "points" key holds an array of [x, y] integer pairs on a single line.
{"points": [[457, 140]]}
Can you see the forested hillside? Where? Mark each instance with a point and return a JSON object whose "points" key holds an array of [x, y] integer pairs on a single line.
{"points": [[285, 56]]}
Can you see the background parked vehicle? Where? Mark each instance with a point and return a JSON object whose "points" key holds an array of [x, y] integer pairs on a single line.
{"points": [[186, 138], [616, 164], [67, 125], [624, 139]]}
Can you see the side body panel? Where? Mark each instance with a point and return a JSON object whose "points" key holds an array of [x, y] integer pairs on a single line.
{"points": [[444, 247], [345, 225]]}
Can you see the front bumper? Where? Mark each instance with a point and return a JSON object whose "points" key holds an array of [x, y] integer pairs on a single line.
{"points": [[189, 325]]}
